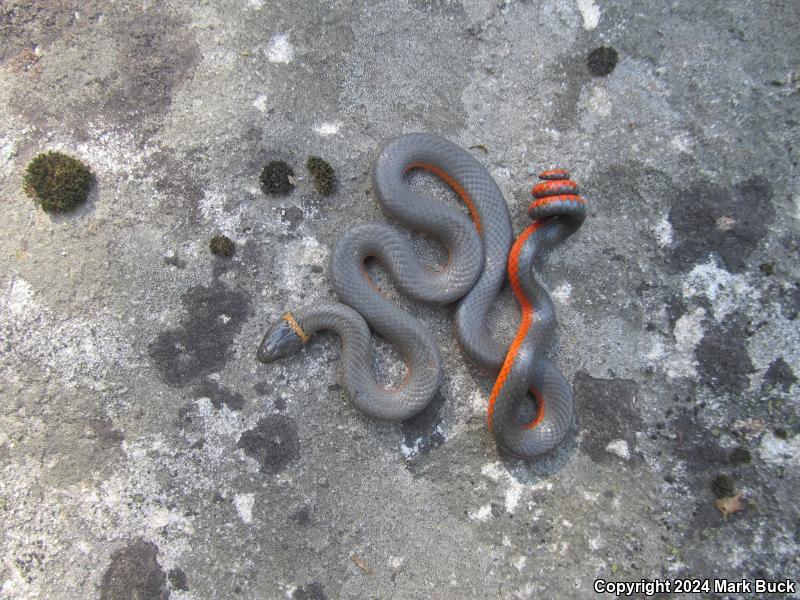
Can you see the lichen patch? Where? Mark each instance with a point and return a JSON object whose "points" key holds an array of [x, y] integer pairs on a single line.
{"points": [[280, 50]]}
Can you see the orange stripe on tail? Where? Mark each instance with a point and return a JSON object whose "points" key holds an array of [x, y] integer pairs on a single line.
{"points": [[550, 199], [524, 326]]}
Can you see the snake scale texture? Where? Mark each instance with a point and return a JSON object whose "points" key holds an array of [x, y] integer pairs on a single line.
{"points": [[530, 409]]}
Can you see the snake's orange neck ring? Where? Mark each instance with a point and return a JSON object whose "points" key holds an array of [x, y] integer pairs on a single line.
{"points": [[295, 326]]}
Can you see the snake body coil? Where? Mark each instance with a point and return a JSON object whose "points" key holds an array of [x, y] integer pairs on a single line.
{"points": [[521, 427], [469, 269], [478, 251]]}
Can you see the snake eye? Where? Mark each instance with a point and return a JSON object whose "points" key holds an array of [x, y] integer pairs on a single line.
{"points": [[279, 341]]}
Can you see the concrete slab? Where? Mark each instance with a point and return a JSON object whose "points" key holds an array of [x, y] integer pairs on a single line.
{"points": [[145, 454]]}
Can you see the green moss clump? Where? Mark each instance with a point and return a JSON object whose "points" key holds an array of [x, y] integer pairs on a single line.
{"points": [[723, 486], [57, 181], [277, 178], [323, 174], [740, 455], [781, 433], [601, 61], [222, 245]]}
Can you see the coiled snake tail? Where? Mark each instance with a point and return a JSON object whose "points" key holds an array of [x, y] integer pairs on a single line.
{"points": [[531, 404]]}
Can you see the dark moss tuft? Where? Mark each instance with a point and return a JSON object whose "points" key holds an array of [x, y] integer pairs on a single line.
{"points": [[723, 486], [601, 61], [781, 433], [222, 245], [767, 268], [740, 455], [56, 181], [276, 178], [323, 174]]}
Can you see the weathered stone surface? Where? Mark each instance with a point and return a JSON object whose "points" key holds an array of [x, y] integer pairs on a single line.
{"points": [[144, 451]]}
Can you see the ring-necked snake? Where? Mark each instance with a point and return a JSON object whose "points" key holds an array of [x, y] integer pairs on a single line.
{"points": [[478, 253]]}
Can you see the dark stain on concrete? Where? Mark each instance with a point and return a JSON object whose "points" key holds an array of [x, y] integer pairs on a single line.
{"points": [[440, 8], [312, 591], [292, 216], [220, 265], [174, 261], [606, 409], [629, 187], [128, 69], [675, 308], [728, 222], [790, 296], [134, 574], [302, 517], [262, 388], [25, 25], [273, 442], [219, 395], [779, 376], [201, 342], [421, 430], [105, 432], [186, 412], [568, 87], [693, 442], [724, 364], [157, 53], [177, 579], [703, 460]]}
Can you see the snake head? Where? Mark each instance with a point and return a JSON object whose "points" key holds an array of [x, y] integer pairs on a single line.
{"points": [[280, 340]]}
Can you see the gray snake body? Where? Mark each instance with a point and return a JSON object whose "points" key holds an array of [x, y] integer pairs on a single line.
{"points": [[478, 249]]}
